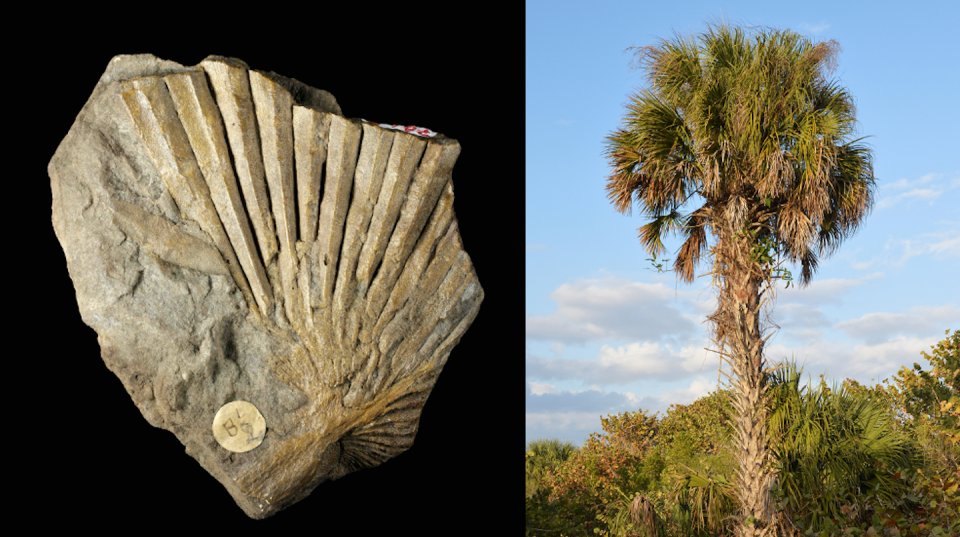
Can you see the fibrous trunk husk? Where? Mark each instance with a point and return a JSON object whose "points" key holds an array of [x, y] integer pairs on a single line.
{"points": [[740, 339]]}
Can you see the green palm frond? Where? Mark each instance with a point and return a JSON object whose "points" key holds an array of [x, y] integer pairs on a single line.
{"points": [[827, 443], [707, 497], [544, 455]]}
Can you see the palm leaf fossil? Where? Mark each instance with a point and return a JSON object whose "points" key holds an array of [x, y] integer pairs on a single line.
{"points": [[232, 236]]}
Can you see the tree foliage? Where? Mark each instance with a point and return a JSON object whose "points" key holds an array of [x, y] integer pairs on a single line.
{"points": [[924, 402], [705, 422], [544, 456], [592, 484]]}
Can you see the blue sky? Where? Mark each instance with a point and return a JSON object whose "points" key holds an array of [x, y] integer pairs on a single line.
{"points": [[604, 334]]}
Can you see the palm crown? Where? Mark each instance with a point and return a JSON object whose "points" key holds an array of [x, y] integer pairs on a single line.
{"points": [[753, 127]]}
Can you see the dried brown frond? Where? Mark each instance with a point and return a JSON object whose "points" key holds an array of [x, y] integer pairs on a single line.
{"points": [[735, 212], [642, 512], [688, 258], [621, 187], [644, 58], [826, 54]]}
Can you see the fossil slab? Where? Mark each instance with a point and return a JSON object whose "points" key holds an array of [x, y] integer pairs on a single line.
{"points": [[276, 284]]}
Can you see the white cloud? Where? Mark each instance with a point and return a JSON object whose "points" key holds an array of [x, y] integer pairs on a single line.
{"points": [[540, 389], [942, 244], [826, 291], [594, 401], [909, 251], [916, 189], [801, 322], [876, 328], [806, 335], [838, 360], [698, 388], [624, 364], [610, 308], [906, 183], [917, 193], [886, 358], [643, 360], [572, 416], [800, 316], [945, 244], [815, 29], [704, 303], [570, 425], [949, 247]]}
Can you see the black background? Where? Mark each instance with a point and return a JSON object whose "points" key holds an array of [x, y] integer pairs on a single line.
{"points": [[83, 454]]}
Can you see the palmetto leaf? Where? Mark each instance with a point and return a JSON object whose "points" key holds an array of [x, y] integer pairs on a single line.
{"points": [[709, 498], [827, 442]]}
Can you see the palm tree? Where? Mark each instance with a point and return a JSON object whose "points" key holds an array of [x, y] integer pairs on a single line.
{"points": [[751, 127], [543, 456]]}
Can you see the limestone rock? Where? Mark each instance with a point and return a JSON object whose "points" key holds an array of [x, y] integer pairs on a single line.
{"points": [[232, 237]]}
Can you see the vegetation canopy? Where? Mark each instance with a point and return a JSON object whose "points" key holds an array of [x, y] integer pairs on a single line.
{"points": [[850, 461]]}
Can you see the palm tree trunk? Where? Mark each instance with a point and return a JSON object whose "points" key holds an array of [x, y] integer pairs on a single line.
{"points": [[738, 330]]}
